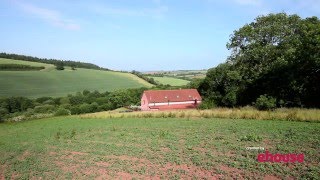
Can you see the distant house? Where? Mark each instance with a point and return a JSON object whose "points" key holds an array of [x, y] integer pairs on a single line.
{"points": [[170, 99]]}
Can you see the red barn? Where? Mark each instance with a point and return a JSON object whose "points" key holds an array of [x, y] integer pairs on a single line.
{"points": [[170, 99]]}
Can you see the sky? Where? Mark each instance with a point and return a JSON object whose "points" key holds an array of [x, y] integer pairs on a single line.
{"points": [[141, 35]]}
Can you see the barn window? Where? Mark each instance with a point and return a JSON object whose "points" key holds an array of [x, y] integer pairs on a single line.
{"points": [[144, 102]]}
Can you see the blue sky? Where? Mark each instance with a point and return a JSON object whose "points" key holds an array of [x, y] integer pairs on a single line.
{"points": [[134, 34]]}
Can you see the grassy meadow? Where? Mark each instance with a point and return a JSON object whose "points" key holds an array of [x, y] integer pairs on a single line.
{"points": [[170, 80], [50, 82], [157, 148]]}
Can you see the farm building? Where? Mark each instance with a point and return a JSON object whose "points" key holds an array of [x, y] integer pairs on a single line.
{"points": [[170, 99]]}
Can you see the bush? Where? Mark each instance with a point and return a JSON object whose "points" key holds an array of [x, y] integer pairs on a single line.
{"points": [[84, 108], [43, 99], [75, 110], [3, 113], [207, 104], [106, 107], [29, 112], [265, 102], [62, 112], [66, 106], [49, 102], [64, 100], [59, 65], [44, 109]]}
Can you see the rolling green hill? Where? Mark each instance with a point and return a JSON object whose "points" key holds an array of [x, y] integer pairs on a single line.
{"points": [[50, 82]]}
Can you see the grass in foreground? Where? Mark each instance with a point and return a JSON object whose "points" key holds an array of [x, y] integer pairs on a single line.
{"points": [[69, 147]]}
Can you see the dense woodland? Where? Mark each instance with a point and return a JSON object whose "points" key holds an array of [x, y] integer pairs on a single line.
{"points": [[274, 62], [74, 64]]}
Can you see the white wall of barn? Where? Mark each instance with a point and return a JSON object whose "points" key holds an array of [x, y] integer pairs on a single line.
{"points": [[173, 103]]}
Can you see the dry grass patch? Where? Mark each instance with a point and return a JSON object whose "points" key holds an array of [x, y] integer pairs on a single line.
{"points": [[289, 114]]}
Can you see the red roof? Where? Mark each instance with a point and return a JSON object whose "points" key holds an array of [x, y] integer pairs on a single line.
{"points": [[179, 95]]}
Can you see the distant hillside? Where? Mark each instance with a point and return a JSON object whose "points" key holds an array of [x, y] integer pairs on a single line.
{"points": [[179, 74], [76, 64], [172, 81], [51, 82]]}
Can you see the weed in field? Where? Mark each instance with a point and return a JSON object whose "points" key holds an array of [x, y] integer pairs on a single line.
{"points": [[57, 135], [163, 134], [289, 133], [73, 134], [218, 138], [251, 137]]}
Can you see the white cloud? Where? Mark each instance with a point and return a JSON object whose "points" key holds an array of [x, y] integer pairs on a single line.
{"points": [[50, 16]]}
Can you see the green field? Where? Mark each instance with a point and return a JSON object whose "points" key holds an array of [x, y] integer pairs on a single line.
{"points": [[185, 74], [170, 80], [51, 82], [167, 148], [48, 67]]}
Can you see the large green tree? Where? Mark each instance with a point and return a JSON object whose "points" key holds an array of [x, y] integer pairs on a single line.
{"points": [[277, 55]]}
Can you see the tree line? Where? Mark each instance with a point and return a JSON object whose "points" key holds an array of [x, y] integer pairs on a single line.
{"points": [[75, 64], [19, 67], [79, 103], [274, 62], [140, 75]]}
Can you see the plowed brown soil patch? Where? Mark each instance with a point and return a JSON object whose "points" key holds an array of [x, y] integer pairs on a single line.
{"points": [[140, 168]]}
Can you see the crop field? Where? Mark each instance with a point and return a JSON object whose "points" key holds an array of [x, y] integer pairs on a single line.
{"points": [[48, 67], [158, 148], [170, 80], [61, 83], [185, 74]]}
